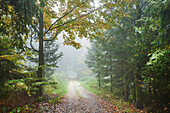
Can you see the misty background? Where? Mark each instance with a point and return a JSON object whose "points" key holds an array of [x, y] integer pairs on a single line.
{"points": [[72, 64]]}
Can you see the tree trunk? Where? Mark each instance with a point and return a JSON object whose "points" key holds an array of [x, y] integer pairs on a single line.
{"points": [[139, 102], [134, 91], [111, 85], [41, 59], [124, 70], [126, 89], [99, 81], [155, 99], [111, 77]]}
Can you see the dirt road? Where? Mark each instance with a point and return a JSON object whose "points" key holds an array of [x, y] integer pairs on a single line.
{"points": [[82, 101], [79, 100]]}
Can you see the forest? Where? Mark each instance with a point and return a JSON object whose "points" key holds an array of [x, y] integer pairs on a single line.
{"points": [[125, 67]]}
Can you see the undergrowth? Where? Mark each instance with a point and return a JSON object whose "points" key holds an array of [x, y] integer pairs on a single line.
{"points": [[55, 93], [16, 99], [19, 96]]}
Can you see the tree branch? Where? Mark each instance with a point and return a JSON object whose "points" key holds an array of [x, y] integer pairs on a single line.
{"points": [[32, 47], [63, 17], [52, 38], [77, 18]]}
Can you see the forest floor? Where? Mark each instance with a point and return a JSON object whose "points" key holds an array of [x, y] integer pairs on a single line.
{"points": [[79, 100]]}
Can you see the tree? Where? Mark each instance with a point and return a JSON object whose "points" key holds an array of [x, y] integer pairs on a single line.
{"points": [[51, 57], [15, 20], [140, 38], [74, 19]]}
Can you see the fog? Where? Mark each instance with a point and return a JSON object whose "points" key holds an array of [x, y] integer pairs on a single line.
{"points": [[72, 62]]}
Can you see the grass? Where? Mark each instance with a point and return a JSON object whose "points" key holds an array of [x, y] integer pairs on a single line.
{"points": [[56, 92], [59, 89], [91, 84]]}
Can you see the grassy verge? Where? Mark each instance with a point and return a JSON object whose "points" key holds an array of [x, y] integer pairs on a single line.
{"points": [[59, 90], [91, 84], [56, 92]]}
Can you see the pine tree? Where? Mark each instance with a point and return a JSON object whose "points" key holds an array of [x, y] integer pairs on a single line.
{"points": [[51, 56]]}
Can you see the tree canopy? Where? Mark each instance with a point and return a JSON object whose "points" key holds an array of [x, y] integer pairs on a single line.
{"points": [[130, 43]]}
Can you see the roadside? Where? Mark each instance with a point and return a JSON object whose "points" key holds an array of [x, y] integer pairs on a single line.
{"points": [[120, 106]]}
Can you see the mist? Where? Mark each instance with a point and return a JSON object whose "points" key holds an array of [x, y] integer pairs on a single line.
{"points": [[72, 63]]}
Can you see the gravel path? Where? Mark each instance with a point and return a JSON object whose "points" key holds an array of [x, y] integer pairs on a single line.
{"points": [[82, 101], [79, 100]]}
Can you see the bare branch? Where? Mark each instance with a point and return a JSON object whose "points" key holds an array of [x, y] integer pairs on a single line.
{"points": [[52, 38], [32, 47], [63, 17]]}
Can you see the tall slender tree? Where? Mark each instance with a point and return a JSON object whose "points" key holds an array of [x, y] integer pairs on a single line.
{"points": [[51, 57]]}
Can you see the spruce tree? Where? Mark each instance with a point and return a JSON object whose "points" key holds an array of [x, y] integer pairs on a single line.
{"points": [[51, 56]]}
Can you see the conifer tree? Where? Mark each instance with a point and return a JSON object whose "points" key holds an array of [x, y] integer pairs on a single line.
{"points": [[51, 56]]}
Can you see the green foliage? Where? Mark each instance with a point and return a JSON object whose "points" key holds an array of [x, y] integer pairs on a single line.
{"points": [[130, 51], [90, 83], [4, 109], [156, 73], [56, 92], [139, 50], [15, 24], [16, 110], [51, 57]]}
